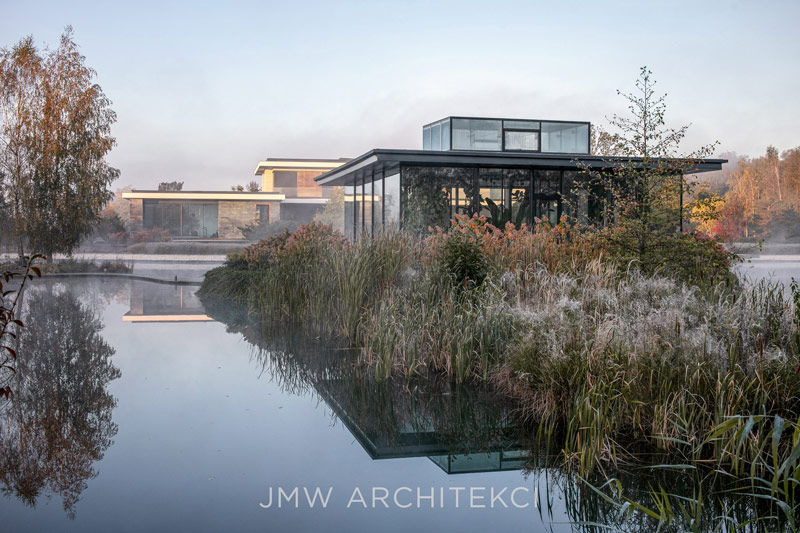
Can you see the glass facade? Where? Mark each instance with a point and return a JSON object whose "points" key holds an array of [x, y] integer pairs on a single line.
{"points": [[420, 197], [436, 136], [497, 135], [391, 200], [477, 134], [377, 205], [368, 206], [182, 218], [522, 140], [564, 137], [349, 211]]}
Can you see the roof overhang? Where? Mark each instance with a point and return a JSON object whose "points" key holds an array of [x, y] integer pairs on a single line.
{"points": [[302, 200], [391, 160], [299, 164], [205, 195]]}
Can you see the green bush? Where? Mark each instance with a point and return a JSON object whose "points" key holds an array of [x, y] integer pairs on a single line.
{"points": [[262, 230], [463, 258], [109, 224], [693, 257]]}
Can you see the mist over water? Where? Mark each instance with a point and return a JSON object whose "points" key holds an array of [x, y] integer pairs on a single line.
{"points": [[201, 419]]}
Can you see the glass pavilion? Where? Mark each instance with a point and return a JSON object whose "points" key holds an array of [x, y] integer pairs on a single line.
{"points": [[509, 170]]}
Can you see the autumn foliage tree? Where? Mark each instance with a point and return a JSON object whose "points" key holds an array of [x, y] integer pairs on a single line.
{"points": [[762, 198], [55, 133], [644, 189]]}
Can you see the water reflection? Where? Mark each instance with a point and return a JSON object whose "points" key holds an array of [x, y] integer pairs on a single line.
{"points": [[462, 429], [156, 302], [59, 422], [60, 425], [469, 429]]}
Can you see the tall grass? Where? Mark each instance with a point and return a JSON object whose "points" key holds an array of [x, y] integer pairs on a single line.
{"points": [[620, 362], [617, 366]]}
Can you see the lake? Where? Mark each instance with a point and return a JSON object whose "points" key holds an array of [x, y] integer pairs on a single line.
{"points": [[164, 419], [137, 408]]}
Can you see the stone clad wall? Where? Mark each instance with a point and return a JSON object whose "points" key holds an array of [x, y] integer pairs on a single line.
{"points": [[233, 215], [306, 186]]}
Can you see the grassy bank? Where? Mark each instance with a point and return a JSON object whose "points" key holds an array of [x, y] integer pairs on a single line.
{"points": [[186, 248], [72, 265], [619, 361]]}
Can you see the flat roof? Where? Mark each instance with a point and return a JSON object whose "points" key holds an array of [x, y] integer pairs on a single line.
{"points": [[203, 195], [390, 160], [279, 163], [508, 120]]}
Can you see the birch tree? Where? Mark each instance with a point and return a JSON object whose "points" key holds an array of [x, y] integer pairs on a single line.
{"points": [[54, 137]]}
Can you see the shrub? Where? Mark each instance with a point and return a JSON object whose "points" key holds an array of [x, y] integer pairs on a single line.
{"points": [[264, 251], [120, 237], [109, 223], [235, 260], [311, 241], [151, 235], [68, 266], [262, 230], [464, 260], [692, 257]]}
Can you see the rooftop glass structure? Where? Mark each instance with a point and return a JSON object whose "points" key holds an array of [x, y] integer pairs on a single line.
{"points": [[506, 135]]}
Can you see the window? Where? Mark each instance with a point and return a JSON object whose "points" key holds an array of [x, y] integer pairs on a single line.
{"points": [[477, 134], [285, 178], [182, 218], [391, 199], [522, 140], [377, 206], [436, 137], [446, 135], [521, 124], [349, 211], [262, 212], [565, 137], [547, 182]]}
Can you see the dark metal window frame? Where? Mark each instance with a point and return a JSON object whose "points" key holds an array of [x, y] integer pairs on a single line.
{"points": [[538, 144], [503, 130], [269, 211]]}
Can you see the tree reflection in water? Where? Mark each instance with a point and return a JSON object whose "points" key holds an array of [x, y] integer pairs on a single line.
{"points": [[59, 421]]}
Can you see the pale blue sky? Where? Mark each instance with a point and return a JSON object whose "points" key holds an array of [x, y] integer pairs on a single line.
{"points": [[203, 91]]}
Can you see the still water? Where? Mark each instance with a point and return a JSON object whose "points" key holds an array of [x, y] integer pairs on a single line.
{"points": [[135, 410]]}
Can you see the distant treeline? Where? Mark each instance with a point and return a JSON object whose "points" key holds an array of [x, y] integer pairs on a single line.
{"points": [[752, 199]]}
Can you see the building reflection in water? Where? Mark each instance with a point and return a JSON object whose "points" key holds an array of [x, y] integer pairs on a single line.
{"points": [[158, 302], [462, 429], [59, 423]]}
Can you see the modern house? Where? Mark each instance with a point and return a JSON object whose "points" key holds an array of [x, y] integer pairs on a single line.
{"points": [[294, 178], [507, 169], [288, 192]]}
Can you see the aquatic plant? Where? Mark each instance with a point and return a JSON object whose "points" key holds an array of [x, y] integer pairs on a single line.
{"points": [[618, 364]]}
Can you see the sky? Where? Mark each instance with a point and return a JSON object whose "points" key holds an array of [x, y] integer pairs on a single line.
{"points": [[205, 90]]}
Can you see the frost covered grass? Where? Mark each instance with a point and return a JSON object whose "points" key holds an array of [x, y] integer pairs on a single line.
{"points": [[632, 362], [615, 364]]}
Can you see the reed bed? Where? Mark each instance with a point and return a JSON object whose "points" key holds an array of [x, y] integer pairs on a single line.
{"points": [[618, 365]]}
